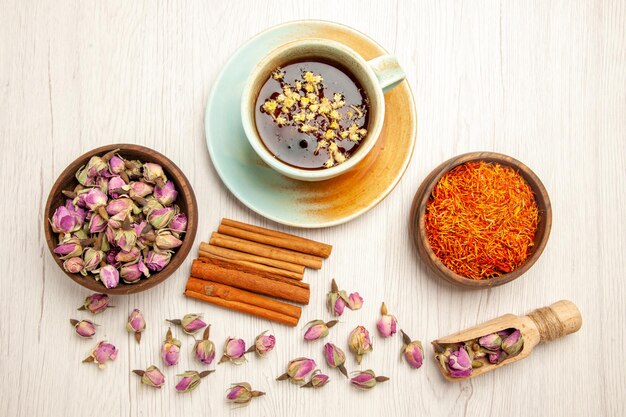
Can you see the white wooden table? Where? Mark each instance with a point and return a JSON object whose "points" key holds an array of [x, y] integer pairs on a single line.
{"points": [[544, 82]]}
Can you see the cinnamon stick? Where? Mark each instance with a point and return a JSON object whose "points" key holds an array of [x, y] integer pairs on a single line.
{"points": [[228, 293], [244, 308], [267, 251], [240, 256], [273, 238], [246, 278], [259, 267]]}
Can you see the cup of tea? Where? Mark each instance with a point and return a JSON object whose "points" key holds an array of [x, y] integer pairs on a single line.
{"points": [[312, 109]]}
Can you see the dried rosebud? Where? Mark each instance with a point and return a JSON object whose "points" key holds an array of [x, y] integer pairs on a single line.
{"points": [[166, 241], [96, 303], [366, 379], [92, 258], [125, 239], [140, 189], [190, 323], [73, 265], [178, 223], [120, 205], [234, 351], [161, 217], [190, 380], [109, 276], [116, 165], [412, 351], [359, 342], [355, 301], [96, 166], [94, 199], [131, 274], [69, 248], [318, 380], [263, 344], [459, 363], [136, 324], [97, 224], [386, 323], [317, 329], [497, 356], [170, 350], [103, 352], [84, 328], [152, 376], [167, 194], [513, 343], [491, 341], [297, 370], [153, 173], [117, 186], [242, 393], [133, 168], [204, 349], [150, 205], [336, 299], [156, 261], [125, 257], [335, 358], [65, 221]]}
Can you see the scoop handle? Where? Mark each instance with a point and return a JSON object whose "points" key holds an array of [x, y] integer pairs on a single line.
{"points": [[556, 320]]}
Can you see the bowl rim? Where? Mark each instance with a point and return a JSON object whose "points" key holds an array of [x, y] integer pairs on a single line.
{"points": [[418, 210], [249, 95], [185, 190]]}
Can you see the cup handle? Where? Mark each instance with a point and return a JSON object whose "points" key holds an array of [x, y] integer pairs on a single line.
{"points": [[388, 71]]}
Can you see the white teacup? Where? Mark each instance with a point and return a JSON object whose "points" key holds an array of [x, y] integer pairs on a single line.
{"points": [[375, 77]]}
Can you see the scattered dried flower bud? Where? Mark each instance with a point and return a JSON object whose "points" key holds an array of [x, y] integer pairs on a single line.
{"points": [[386, 323], [317, 329], [84, 328], [263, 344], [152, 376], [234, 351], [204, 349], [491, 341], [297, 370], [355, 301], [109, 276], [190, 323], [242, 393], [359, 342], [366, 379], [318, 380], [336, 299], [412, 351], [335, 358], [170, 351], [136, 324], [459, 363], [190, 380], [103, 352], [513, 343], [96, 303]]}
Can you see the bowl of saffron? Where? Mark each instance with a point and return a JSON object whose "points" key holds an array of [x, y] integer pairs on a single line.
{"points": [[481, 219]]}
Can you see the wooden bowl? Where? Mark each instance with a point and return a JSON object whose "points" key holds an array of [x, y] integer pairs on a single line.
{"points": [[418, 212], [186, 201]]}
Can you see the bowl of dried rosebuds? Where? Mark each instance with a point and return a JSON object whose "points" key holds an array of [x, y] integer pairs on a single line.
{"points": [[120, 219]]}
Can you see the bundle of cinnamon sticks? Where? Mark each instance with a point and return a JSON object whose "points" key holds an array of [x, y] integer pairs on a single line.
{"points": [[242, 265]]}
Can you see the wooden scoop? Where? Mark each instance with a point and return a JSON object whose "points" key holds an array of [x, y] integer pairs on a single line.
{"points": [[540, 325]]}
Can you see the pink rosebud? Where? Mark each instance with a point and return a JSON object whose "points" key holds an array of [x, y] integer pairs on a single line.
{"points": [[117, 186], [359, 342], [386, 323], [234, 351], [125, 239], [335, 358], [120, 205], [152, 376], [179, 223], [103, 352], [130, 256], [336, 299], [170, 350], [116, 165], [459, 363], [366, 380], [242, 393], [65, 221], [140, 228], [131, 274], [167, 194], [190, 323], [69, 248], [92, 259], [190, 380], [412, 351], [95, 198], [317, 329], [513, 343], [73, 265], [96, 303], [298, 369], [166, 241], [161, 217], [263, 344], [109, 276], [204, 349], [153, 173], [355, 301], [156, 261], [84, 328], [140, 189], [110, 258], [97, 224], [318, 380], [136, 324]]}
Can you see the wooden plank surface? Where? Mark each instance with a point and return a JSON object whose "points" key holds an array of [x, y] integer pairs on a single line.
{"points": [[544, 82]]}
